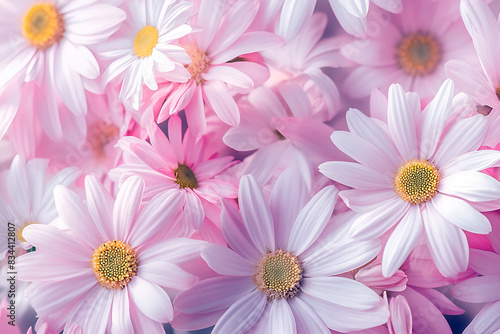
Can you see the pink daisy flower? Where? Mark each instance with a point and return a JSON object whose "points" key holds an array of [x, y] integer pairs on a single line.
{"points": [[49, 42], [150, 46], [352, 13], [220, 60], [414, 175], [280, 273], [182, 164], [27, 197], [410, 49], [103, 273]]}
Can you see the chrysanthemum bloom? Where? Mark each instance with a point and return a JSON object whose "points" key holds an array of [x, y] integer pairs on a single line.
{"points": [[220, 60], [279, 274], [48, 42], [280, 126], [27, 198], [149, 47], [417, 177], [184, 165], [409, 48], [302, 60], [352, 13], [480, 81], [103, 273], [483, 289]]}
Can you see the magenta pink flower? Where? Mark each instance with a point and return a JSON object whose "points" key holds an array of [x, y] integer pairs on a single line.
{"points": [[280, 273], [103, 273], [186, 165], [415, 175]]}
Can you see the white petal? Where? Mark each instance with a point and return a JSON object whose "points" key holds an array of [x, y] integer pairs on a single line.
{"points": [[471, 186], [281, 319], [229, 75], [312, 219], [222, 102], [461, 213], [151, 300], [194, 210], [166, 274], [294, 15], [358, 8], [401, 123], [306, 319], [120, 314], [355, 175], [402, 241], [256, 214], [127, 204], [471, 161]]}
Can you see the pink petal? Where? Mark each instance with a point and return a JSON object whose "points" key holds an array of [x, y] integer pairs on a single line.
{"points": [[195, 114], [402, 241], [435, 115], [486, 321], [365, 201], [442, 302], [307, 320], [341, 291], [127, 204], [401, 123], [229, 75], [213, 294], [294, 16], [60, 267], [190, 322], [460, 213], [162, 210], [100, 205], [312, 219], [485, 263], [120, 314], [448, 244], [176, 250], [224, 261], [166, 274], [256, 214], [355, 175], [194, 209], [151, 300], [235, 233], [400, 321], [478, 289], [175, 136], [160, 143], [249, 307], [222, 102], [281, 318]]}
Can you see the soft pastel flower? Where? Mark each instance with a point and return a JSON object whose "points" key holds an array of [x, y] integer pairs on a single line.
{"points": [[417, 176], [27, 198], [49, 42], [104, 273], [280, 274], [182, 164], [222, 58], [150, 46], [409, 48], [352, 13]]}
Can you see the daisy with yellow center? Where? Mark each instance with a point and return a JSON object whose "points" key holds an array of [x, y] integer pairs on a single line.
{"points": [[417, 177], [281, 266], [106, 264], [150, 47]]}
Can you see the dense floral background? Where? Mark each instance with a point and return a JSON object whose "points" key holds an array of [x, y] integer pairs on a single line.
{"points": [[251, 166]]}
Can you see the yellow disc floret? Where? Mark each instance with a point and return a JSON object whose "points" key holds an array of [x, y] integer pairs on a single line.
{"points": [[145, 41], [43, 25], [114, 264], [418, 54], [21, 229], [416, 181], [278, 275]]}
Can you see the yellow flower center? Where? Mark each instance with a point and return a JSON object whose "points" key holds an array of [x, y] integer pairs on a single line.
{"points": [[145, 40], [497, 92], [21, 229], [199, 64], [278, 275], [418, 54], [185, 177], [416, 181], [114, 264], [101, 134], [43, 25]]}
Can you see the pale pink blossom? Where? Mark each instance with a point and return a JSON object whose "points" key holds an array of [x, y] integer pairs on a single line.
{"points": [[409, 48], [291, 234], [84, 285], [394, 158], [180, 163], [50, 43]]}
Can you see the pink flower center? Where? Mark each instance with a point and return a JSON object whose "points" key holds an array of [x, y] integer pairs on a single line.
{"points": [[418, 54], [416, 181], [43, 25], [114, 264], [278, 275], [100, 135], [185, 177], [200, 63]]}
